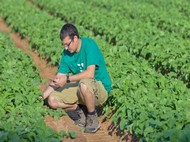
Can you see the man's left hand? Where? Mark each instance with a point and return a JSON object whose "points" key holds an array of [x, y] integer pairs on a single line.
{"points": [[60, 80]]}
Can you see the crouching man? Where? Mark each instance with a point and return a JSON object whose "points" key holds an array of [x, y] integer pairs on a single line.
{"points": [[82, 78]]}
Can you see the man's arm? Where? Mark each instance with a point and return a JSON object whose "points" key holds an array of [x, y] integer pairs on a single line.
{"points": [[88, 73], [53, 85], [60, 80], [48, 90]]}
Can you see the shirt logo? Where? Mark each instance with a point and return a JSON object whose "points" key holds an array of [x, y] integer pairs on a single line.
{"points": [[81, 67]]}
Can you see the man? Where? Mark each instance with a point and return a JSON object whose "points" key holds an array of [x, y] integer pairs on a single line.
{"points": [[89, 79]]}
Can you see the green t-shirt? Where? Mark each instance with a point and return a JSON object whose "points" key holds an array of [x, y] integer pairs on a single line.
{"points": [[89, 54]]}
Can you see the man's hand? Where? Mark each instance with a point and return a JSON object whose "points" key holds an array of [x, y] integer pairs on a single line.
{"points": [[60, 80], [41, 98]]}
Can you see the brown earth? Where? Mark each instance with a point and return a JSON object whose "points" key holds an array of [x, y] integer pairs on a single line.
{"points": [[107, 132]]}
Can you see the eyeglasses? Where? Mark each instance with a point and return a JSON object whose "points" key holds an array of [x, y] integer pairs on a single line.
{"points": [[67, 44]]}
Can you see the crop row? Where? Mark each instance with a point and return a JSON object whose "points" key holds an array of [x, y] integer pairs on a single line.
{"points": [[146, 103], [21, 111], [155, 31]]}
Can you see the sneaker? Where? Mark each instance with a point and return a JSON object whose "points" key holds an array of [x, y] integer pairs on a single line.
{"points": [[81, 121], [72, 114], [92, 124]]}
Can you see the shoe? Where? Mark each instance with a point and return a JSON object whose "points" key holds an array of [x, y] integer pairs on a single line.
{"points": [[81, 121], [72, 114], [92, 124], [77, 116]]}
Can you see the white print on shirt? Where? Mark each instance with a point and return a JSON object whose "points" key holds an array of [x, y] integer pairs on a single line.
{"points": [[81, 66]]}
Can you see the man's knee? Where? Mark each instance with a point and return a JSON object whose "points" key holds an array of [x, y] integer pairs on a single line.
{"points": [[84, 90], [82, 87], [52, 102]]}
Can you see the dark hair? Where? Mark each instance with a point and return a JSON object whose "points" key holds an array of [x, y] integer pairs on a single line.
{"points": [[68, 30]]}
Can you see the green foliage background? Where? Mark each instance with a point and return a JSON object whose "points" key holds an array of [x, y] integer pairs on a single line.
{"points": [[146, 47]]}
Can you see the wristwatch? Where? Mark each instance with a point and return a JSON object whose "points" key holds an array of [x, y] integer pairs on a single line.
{"points": [[68, 80]]}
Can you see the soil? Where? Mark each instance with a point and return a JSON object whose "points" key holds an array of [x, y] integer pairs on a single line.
{"points": [[107, 132]]}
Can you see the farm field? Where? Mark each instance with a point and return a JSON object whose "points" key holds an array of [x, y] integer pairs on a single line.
{"points": [[146, 45], [58, 121]]}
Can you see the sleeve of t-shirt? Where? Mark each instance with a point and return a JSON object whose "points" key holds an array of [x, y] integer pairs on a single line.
{"points": [[93, 54], [63, 67]]}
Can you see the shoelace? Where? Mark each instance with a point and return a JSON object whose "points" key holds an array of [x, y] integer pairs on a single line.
{"points": [[80, 113]]}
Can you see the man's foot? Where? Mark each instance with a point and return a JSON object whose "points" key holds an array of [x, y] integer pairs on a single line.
{"points": [[72, 114], [78, 116], [81, 121], [92, 124]]}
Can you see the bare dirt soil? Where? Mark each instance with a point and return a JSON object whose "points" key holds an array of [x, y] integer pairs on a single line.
{"points": [[107, 132]]}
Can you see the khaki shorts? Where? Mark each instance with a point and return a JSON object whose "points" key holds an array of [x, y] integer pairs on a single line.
{"points": [[69, 94]]}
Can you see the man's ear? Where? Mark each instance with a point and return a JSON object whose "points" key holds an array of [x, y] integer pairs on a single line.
{"points": [[75, 38]]}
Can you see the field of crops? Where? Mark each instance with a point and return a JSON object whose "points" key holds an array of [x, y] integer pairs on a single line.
{"points": [[146, 45]]}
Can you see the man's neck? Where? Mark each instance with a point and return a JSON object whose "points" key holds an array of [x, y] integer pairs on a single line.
{"points": [[79, 45]]}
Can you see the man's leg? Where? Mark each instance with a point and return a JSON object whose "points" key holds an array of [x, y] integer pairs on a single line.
{"points": [[67, 99], [93, 94], [53, 103], [88, 98]]}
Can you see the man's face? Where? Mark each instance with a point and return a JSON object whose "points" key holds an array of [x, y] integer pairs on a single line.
{"points": [[69, 44]]}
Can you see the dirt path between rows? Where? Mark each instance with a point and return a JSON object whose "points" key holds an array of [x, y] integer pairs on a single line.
{"points": [[107, 133]]}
